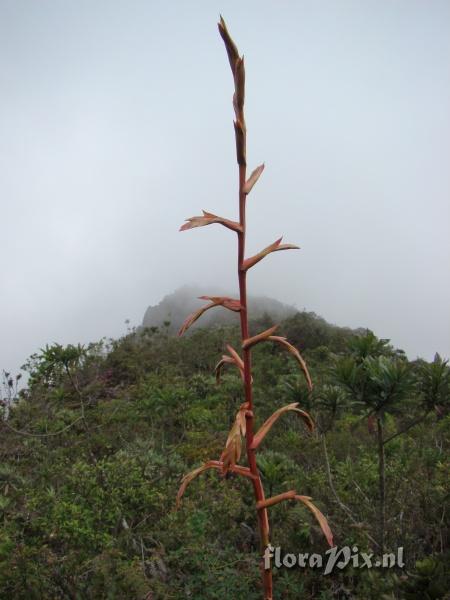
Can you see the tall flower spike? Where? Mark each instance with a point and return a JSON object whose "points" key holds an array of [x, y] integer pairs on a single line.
{"points": [[243, 425]]}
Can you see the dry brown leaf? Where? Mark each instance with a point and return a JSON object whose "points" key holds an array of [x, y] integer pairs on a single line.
{"points": [[249, 342], [190, 320], [240, 418], [293, 350], [267, 425], [212, 464], [218, 368], [237, 359], [231, 360], [233, 446], [245, 471], [276, 499], [320, 518], [224, 301]]}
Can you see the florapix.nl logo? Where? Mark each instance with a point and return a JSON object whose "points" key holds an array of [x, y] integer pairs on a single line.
{"points": [[334, 558]]}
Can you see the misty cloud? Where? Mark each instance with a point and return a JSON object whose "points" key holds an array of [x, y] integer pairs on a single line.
{"points": [[116, 125]]}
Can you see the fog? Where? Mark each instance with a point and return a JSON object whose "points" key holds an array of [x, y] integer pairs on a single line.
{"points": [[116, 125]]}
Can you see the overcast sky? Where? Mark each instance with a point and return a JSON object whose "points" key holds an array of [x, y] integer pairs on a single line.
{"points": [[116, 125]]}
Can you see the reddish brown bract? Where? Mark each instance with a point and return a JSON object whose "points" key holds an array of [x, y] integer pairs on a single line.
{"points": [[209, 219], [224, 301], [277, 245]]}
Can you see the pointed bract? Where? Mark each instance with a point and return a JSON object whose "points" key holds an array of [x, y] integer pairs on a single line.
{"points": [[239, 131], [237, 359], [276, 499], [208, 219], [277, 245], [267, 425], [233, 446], [293, 350], [253, 179], [239, 84], [249, 342], [211, 464], [225, 301], [230, 46], [193, 317], [192, 475], [320, 518], [218, 368]]}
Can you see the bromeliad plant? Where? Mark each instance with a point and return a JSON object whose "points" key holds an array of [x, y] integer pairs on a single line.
{"points": [[243, 426]]}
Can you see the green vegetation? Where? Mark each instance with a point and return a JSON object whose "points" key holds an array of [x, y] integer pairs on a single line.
{"points": [[92, 454]]}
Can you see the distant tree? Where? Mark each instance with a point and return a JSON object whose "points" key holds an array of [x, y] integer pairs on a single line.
{"points": [[377, 379]]}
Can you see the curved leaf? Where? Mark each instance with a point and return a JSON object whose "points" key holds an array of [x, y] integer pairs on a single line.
{"points": [[233, 446], [249, 342], [275, 247], [293, 350], [267, 425], [208, 219], [212, 464], [190, 320], [224, 301], [230, 360], [224, 361], [276, 499], [320, 518], [237, 359]]}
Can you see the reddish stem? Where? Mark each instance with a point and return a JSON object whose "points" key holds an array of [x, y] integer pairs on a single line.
{"points": [[263, 519]]}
